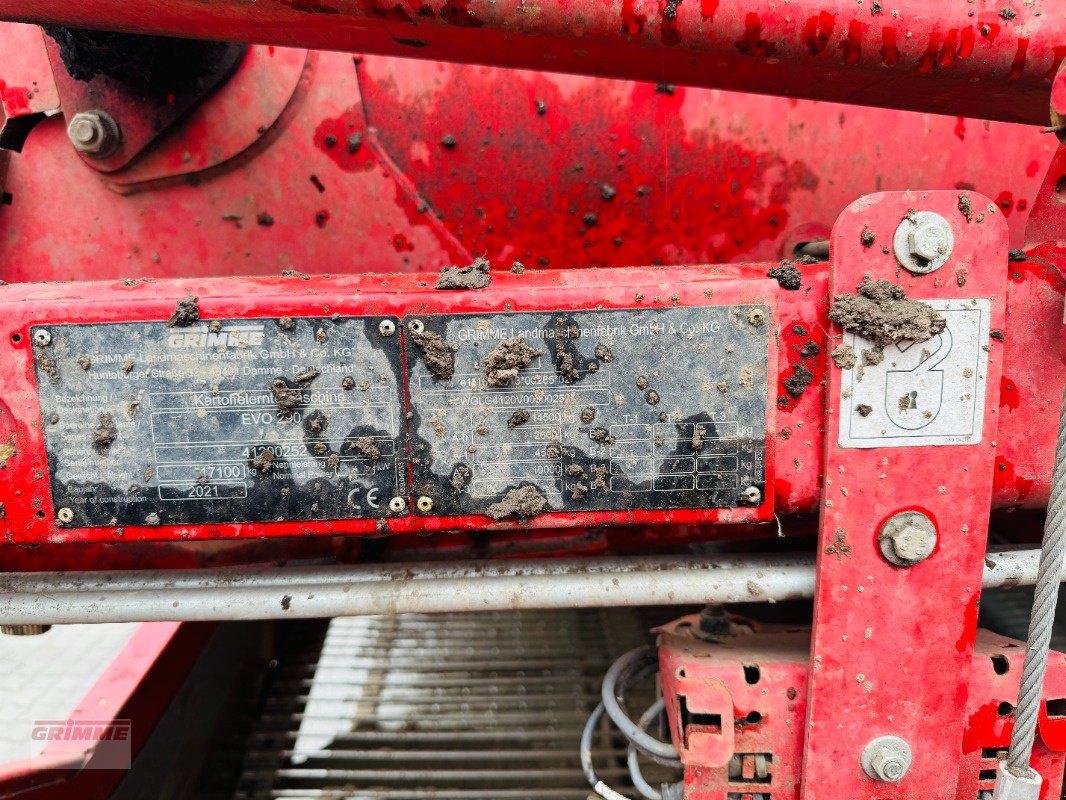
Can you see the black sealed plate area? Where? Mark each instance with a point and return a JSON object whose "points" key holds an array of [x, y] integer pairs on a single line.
{"points": [[588, 410], [252, 420]]}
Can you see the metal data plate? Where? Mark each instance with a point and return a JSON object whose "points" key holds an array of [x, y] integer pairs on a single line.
{"points": [[620, 410], [222, 421]]}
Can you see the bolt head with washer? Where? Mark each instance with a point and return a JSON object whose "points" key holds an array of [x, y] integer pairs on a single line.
{"points": [[94, 133], [424, 503], [752, 496], [65, 515], [887, 759], [42, 337], [923, 242], [907, 538], [416, 326], [387, 327], [397, 505]]}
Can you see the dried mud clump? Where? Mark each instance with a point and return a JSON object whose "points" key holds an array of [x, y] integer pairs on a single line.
{"points": [[365, 446], [186, 313], [524, 502], [474, 276], [440, 361], [787, 275], [881, 313], [287, 398], [510, 356], [105, 434], [844, 356], [800, 380]]}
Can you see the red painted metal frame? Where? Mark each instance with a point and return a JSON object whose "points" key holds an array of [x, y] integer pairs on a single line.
{"points": [[925, 615], [30, 515], [767, 716], [138, 686], [988, 59]]}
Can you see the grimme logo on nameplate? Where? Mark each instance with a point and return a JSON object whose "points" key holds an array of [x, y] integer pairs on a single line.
{"points": [[216, 334], [95, 744]]}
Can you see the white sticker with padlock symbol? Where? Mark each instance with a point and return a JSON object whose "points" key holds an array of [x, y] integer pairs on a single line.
{"points": [[920, 393]]}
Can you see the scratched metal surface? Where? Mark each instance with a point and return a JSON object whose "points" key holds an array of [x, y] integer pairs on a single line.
{"points": [[148, 424], [652, 408]]}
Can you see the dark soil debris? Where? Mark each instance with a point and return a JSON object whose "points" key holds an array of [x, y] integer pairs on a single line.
{"points": [[604, 353], [810, 350], [867, 238], [1016, 255], [186, 313], [504, 362], [881, 312], [365, 446], [966, 207], [787, 275], [85, 363], [800, 380], [287, 398], [474, 276], [105, 434], [588, 414], [439, 358], [844, 356], [520, 417], [264, 461], [863, 410], [524, 502]]}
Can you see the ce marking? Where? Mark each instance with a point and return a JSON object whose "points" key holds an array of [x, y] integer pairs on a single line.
{"points": [[371, 498]]}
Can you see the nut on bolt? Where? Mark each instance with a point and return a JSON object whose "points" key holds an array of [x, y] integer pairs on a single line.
{"points": [[94, 133], [923, 242], [907, 538], [416, 326], [42, 337], [387, 327], [65, 515], [424, 503], [397, 505], [887, 759]]}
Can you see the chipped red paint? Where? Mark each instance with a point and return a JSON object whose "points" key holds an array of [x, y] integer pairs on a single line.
{"points": [[969, 625], [15, 99], [980, 724], [632, 22], [852, 46], [960, 128], [752, 42], [1008, 393], [817, 31], [1005, 478], [1018, 64], [610, 179]]}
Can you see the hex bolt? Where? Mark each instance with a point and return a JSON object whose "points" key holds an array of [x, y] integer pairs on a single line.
{"points": [[416, 326], [886, 759], [94, 133], [42, 337], [397, 505], [751, 495], [907, 538], [424, 504], [65, 515], [387, 327], [928, 241], [923, 242]]}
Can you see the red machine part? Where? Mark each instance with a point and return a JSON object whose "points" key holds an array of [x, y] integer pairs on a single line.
{"points": [[864, 489], [1024, 446], [737, 707], [986, 59], [31, 513]]}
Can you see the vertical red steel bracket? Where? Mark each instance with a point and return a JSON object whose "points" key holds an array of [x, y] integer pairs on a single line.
{"points": [[892, 646]]}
